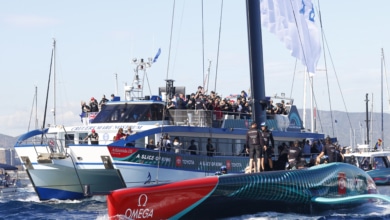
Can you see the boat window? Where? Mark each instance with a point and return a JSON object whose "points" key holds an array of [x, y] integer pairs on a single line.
{"points": [[69, 139], [379, 163], [365, 163], [130, 113], [82, 136]]}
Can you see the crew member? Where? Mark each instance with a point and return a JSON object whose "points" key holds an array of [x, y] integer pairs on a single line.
{"points": [[294, 155], [330, 150], [255, 144], [269, 145]]}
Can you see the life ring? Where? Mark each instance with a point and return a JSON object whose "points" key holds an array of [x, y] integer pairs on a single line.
{"points": [[51, 143]]}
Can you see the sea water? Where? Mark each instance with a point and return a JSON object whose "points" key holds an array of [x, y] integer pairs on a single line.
{"points": [[25, 204]]}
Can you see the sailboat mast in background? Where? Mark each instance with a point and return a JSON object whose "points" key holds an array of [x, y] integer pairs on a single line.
{"points": [[54, 79], [382, 64]]}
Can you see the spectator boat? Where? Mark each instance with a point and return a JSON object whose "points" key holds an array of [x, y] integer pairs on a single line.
{"points": [[8, 179], [61, 166], [375, 163]]}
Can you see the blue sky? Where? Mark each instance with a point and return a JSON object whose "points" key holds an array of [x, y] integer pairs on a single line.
{"points": [[96, 39]]}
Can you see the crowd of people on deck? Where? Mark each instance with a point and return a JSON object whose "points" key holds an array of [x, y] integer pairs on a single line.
{"points": [[199, 100], [94, 105], [239, 104]]}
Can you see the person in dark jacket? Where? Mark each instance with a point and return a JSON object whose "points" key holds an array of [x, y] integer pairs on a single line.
{"points": [[255, 143], [269, 146]]}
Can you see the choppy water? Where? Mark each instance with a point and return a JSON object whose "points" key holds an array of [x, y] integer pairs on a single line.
{"points": [[26, 205]]}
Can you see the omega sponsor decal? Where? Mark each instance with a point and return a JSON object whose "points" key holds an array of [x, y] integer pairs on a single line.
{"points": [[142, 211]]}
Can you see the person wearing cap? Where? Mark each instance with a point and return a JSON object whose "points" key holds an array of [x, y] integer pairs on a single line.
{"points": [[268, 146], [94, 105], [378, 145], [93, 137], [255, 144]]}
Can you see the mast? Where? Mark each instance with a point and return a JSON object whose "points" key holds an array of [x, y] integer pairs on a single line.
{"points": [[367, 121], [116, 84], [36, 107], [256, 60], [304, 100], [371, 117], [54, 79], [48, 88], [311, 103], [382, 64]]}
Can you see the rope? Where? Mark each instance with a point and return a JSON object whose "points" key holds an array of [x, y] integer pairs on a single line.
{"points": [[219, 43], [170, 38], [203, 44]]}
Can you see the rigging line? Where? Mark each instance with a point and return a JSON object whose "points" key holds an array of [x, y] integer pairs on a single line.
{"points": [[315, 103], [170, 38], [303, 51], [338, 81], [334, 69], [164, 111], [387, 83], [299, 34], [293, 79], [203, 44], [219, 43], [326, 70], [329, 100], [178, 41], [147, 80]]}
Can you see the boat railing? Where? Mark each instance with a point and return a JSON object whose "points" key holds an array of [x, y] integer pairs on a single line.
{"points": [[224, 119], [203, 118], [52, 145]]}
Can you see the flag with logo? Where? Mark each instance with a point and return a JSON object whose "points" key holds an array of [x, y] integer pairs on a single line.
{"points": [[294, 23]]}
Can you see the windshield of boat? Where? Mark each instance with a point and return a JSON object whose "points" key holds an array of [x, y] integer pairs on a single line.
{"points": [[126, 112]]}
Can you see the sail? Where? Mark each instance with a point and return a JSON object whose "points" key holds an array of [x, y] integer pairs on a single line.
{"points": [[293, 22]]}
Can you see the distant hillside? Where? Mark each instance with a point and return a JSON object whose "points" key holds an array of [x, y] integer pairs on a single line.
{"points": [[7, 141], [350, 125]]}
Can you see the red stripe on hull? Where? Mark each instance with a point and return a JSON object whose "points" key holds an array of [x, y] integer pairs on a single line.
{"points": [[160, 201]]}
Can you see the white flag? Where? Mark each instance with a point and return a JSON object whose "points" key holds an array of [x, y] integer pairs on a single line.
{"points": [[299, 33]]}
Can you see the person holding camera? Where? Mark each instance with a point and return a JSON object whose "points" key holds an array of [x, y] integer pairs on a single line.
{"points": [[199, 92]]}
